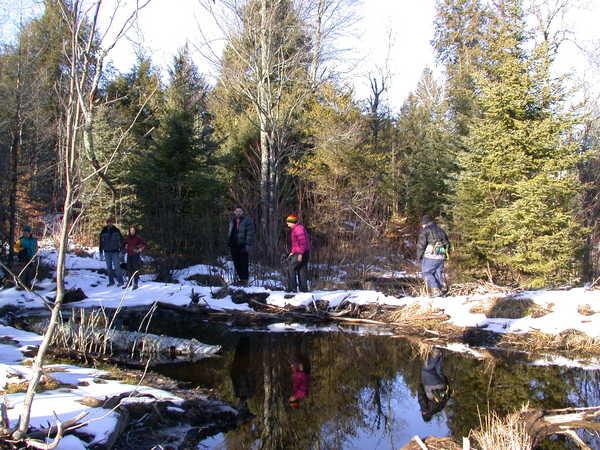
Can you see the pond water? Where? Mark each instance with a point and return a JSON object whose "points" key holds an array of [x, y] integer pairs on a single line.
{"points": [[343, 390]]}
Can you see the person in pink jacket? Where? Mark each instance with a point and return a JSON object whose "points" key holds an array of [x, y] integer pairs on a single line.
{"points": [[300, 384], [298, 257]]}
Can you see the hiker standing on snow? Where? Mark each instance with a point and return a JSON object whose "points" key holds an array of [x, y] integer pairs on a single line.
{"points": [[432, 250], [298, 257], [133, 245], [111, 242], [27, 248], [241, 239]]}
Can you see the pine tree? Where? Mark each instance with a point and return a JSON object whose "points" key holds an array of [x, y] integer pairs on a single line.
{"points": [[124, 129], [423, 166], [177, 187], [515, 199], [459, 33]]}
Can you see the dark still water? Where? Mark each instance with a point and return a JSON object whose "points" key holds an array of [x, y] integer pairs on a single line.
{"points": [[341, 390]]}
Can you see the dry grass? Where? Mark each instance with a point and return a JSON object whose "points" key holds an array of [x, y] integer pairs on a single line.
{"points": [[497, 433], [510, 308], [86, 332], [585, 310], [408, 312], [480, 287], [46, 384], [568, 341]]}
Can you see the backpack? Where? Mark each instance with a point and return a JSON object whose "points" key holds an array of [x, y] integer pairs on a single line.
{"points": [[439, 248], [441, 245]]}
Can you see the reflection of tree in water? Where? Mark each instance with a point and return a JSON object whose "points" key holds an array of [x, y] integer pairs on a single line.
{"points": [[351, 390], [504, 387], [587, 392], [355, 385], [273, 434]]}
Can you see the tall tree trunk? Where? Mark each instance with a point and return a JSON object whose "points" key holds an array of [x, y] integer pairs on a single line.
{"points": [[266, 155], [15, 150], [36, 368], [318, 42]]}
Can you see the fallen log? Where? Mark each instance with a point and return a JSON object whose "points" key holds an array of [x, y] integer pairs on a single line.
{"points": [[543, 423], [127, 341], [529, 427]]}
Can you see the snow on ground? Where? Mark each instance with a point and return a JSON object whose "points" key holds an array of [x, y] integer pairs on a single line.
{"points": [[83, 273], [77, 384]]}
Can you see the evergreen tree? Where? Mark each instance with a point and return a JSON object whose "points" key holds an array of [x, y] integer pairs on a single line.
{"points": [[423, 163], [123, 130], [516, 197], [459, 29], [177, 187]]}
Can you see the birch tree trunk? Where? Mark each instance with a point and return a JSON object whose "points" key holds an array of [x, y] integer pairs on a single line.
{"points": [[85, 64]]}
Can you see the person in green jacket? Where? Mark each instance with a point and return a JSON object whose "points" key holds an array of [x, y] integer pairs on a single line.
{"points": [[28, 249]]}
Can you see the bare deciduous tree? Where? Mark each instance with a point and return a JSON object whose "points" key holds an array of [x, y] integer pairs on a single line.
{"points": [[267, 41], [280, 48], [85, 49]]}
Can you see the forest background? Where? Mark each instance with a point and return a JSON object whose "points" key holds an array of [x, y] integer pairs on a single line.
{"points": [[502, 151]]}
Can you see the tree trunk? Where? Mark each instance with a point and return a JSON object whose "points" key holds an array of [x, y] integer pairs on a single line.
{"points": [[266, 150], [36, 369], [15, 150]]}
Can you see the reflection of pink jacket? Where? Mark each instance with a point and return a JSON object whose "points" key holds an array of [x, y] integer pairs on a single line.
{"points": [[300, 241], [300, 384]]}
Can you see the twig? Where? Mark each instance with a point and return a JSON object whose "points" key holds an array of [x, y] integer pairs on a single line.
{"points": [[60, 427], [420, 443]]}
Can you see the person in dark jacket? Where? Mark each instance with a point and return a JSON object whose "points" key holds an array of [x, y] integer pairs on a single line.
{"points": [[111, 242], [27, 246], [298, 256], [434, 391], [243, 372], [432, 251], [133, 246], [241, 239]]}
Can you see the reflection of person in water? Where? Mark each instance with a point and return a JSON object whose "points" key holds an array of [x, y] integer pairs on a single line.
{"points": [[434, 390], [300, 382], [242, 376]]}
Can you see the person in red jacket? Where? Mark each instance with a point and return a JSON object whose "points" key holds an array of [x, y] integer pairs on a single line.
{"points": [[133, 245], [300, 383], [298, 257]]}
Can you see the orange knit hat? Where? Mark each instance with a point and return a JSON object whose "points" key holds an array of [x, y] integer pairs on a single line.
{"points": [[292, 218]]}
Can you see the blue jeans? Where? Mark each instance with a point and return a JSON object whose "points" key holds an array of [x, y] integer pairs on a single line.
{"points": [[113, 267], [433, 272]]}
